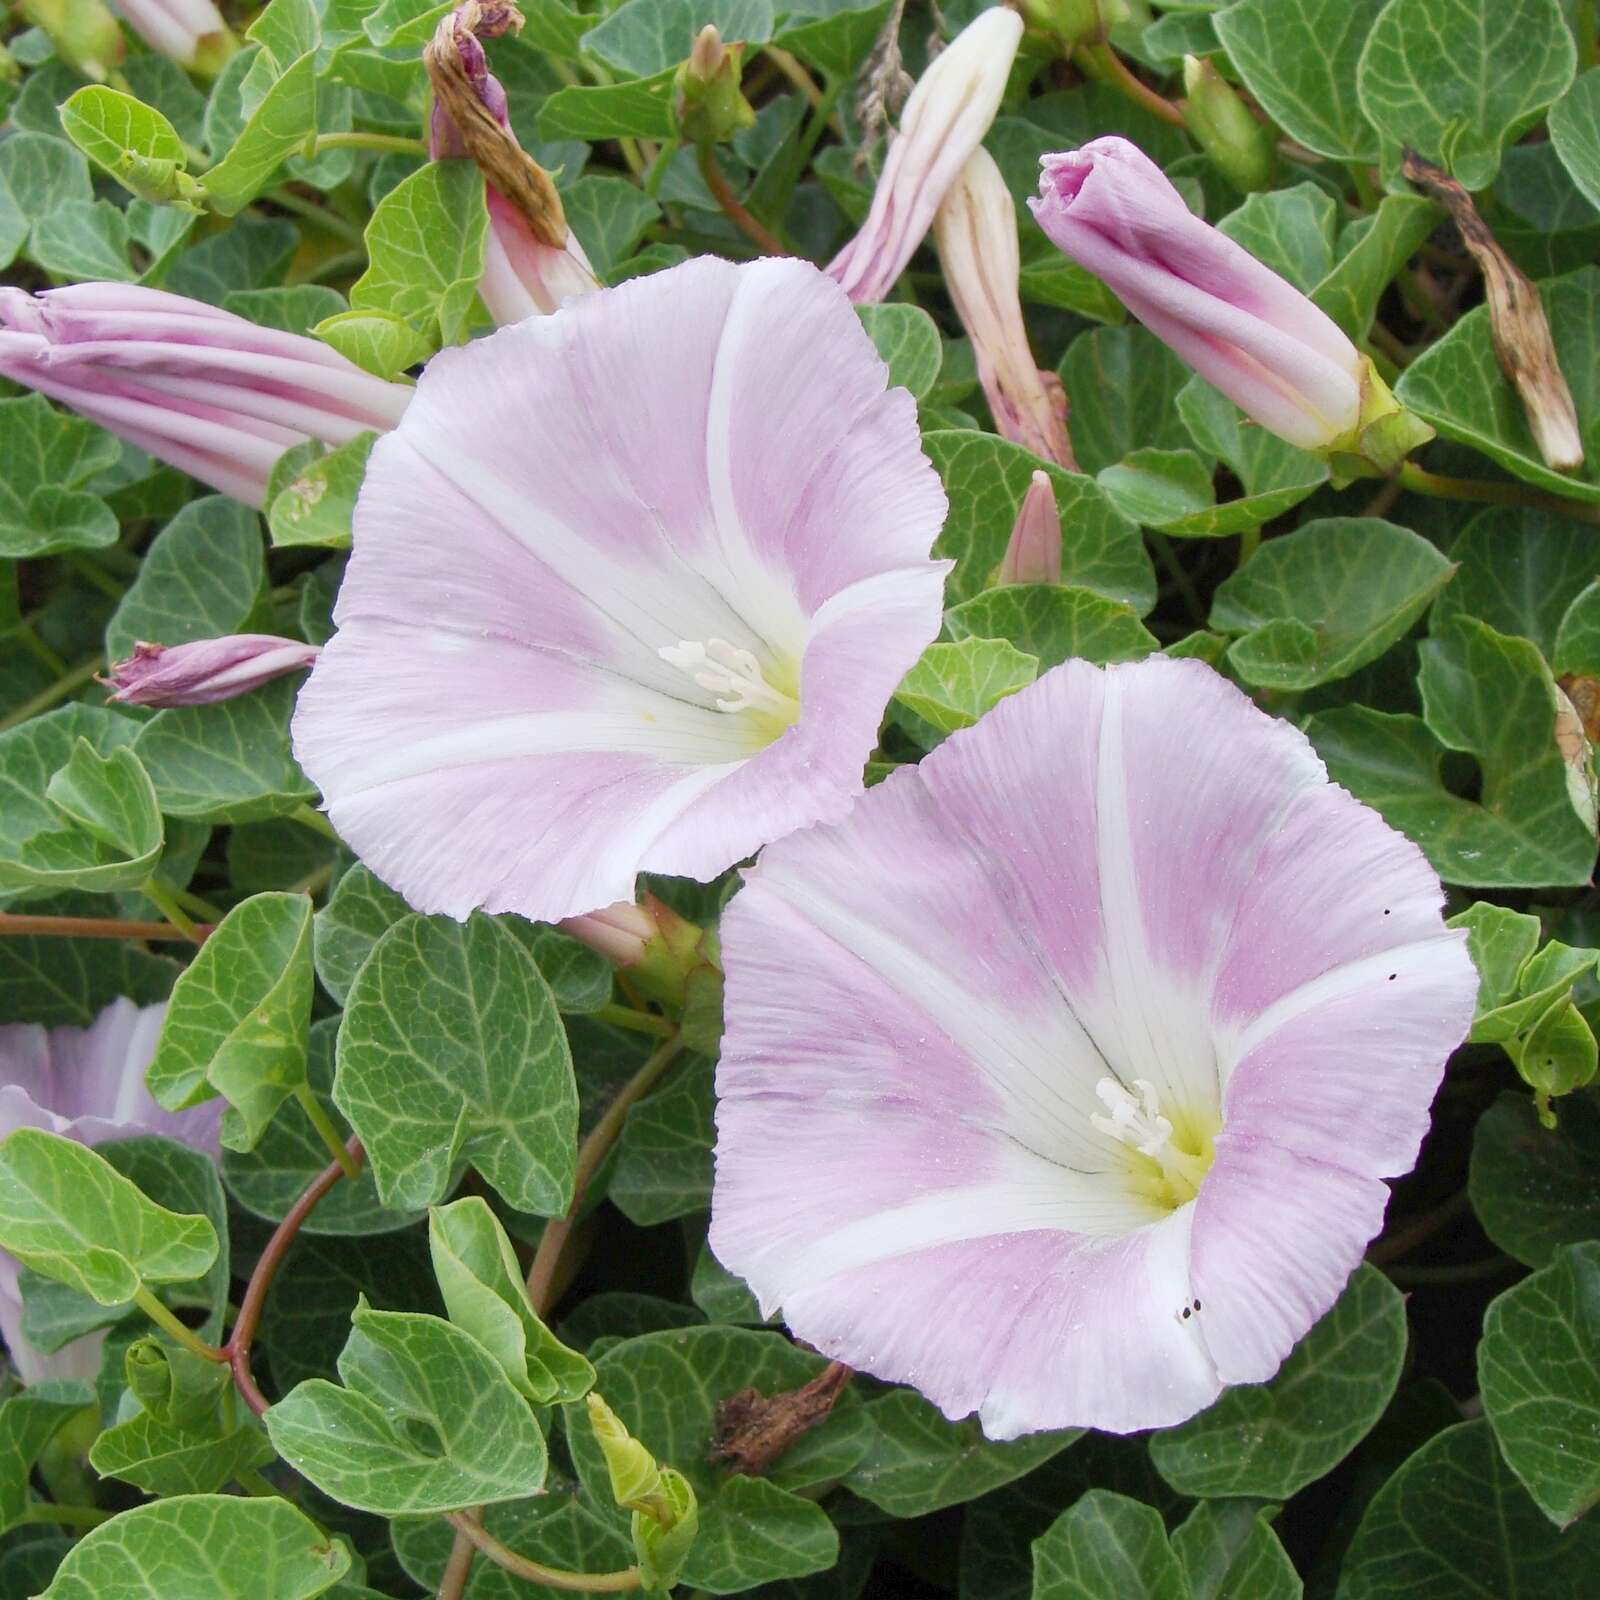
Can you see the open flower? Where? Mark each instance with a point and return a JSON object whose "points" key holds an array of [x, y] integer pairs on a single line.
{"points": [[1243, 328], [944, 121], [632, 585], [1062, 1078], [204, 671], [210, 393], [85, 1084]]}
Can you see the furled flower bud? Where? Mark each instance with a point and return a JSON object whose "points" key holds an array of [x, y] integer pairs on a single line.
{"points": [[1033, 554], [205, 670], [1074, 22], [190, 32], [976, 229], [1242, 148], [1237, 323], [533, 261], [84, 32], [656, 947], [1518, 326], [707, 101], [213, 394], [943, 123]]}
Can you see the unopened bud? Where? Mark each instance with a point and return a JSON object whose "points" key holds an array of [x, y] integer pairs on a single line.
{"points": [[1243, 149], [1073, 22], [659, 950], [85, 33], [1517, 323], [205, 671], [1033, 554], [707, 101], [160, 180]]}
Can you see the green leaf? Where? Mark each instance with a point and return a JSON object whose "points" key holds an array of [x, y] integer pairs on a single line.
{"points": [[663, 1162], [461, 1017], [1490, 697], [666, 1388], [425, 248], [484, 1293], [1454, 1521], [67, 1212], [1299, 59], [295, 309], [1535, 1188], [84, 238], [164, 1458], [1122, 385], [276, 128], [28, 1422], [1575, 133], [665, 1513], [228, 762], [642, 109], [986, 478], [1275, 475], [918, 1462], [952, 685], [831, 34], [1290, 230], [426, 1421], [1107, 1545], [376, 341], [125, 136], [236, 1024], [1577, 645], [1457, 386], [1540, 1385], [1227, 1548], [1269, 1440], [643, 37], [1457, 79], [317, 502], [1323, 601], [42, 174], [1372, 250], [202, 1547], [908, 340], [45, 457], [610, 216], [204, 576], [359, 912], [1053, 624]]}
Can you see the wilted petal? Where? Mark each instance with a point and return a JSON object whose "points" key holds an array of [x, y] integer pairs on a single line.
{"points": [[1000, 1100]]}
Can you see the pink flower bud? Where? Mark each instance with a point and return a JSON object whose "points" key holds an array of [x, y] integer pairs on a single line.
{"points": [[1238, 324], [208, 392], [190, 32], [206, 670], [976, 229], [656, 947], [620, 932], [1034, 553], [943, 122]]}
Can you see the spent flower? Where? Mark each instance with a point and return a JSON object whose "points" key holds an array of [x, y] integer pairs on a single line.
{"points": [[204, 671]]}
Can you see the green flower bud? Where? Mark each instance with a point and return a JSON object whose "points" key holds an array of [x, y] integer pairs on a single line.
{"points": [[665, 1514], [86, 35], [160, 180], [1072, 22], [1243, 149], [707, 103]]}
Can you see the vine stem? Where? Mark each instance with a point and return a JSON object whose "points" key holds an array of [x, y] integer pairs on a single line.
{"points": [[479, 1538], [392, 143], [1487, 492], [316, 1113], [16, 923], [1102, 62], [54, 694], [163, 899], [243, 1336], [66, 1516], [716, 181], [168, 1323]]}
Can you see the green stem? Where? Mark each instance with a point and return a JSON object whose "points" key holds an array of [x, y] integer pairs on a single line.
{"points": [[638, 1021], [1583, 26], [535, 1571], [57, 692], [49, 1511], [1486, 492], [310, 818], [317, 1115], [251, 1481], [331, 222], [1249, 543], [39, 650], [1180, 579], [169, 1325], [1366, 191], [103, 581], [200, 908], [388, 143], [166, 902], [658, 167]]}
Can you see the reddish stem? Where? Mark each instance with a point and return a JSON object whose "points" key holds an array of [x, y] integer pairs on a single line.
{"points": [[764, 240], [97, 928]]}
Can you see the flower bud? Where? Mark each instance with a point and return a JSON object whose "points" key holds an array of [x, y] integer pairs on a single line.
{"points": [[1242, 148], [658, 949], [206, 670], [1074, 22], [707, 102], [190, 32], [1033, 554], [976, 229], [84, 32], [944, 121]]}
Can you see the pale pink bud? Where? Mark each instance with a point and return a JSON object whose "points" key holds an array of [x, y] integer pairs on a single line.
{"points": [[944, 121], [190, 32], [620, 932], [1034, 553], [206, 670], [656, 947], [215, 395], [976, 229], [1237, 323]]}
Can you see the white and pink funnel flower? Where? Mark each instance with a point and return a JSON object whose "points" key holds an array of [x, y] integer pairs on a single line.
{"points": [[1062, 1078]]}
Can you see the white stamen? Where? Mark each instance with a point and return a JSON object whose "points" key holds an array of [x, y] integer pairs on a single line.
{"points": [[730, 672], [1137, 1122]]}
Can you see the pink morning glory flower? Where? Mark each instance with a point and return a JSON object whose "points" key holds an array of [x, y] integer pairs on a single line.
{"points": [[1243, 328], [632, 585], [1061, 1080], [944, 121], [205, 670], [210, 393], [85, 1084]]}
